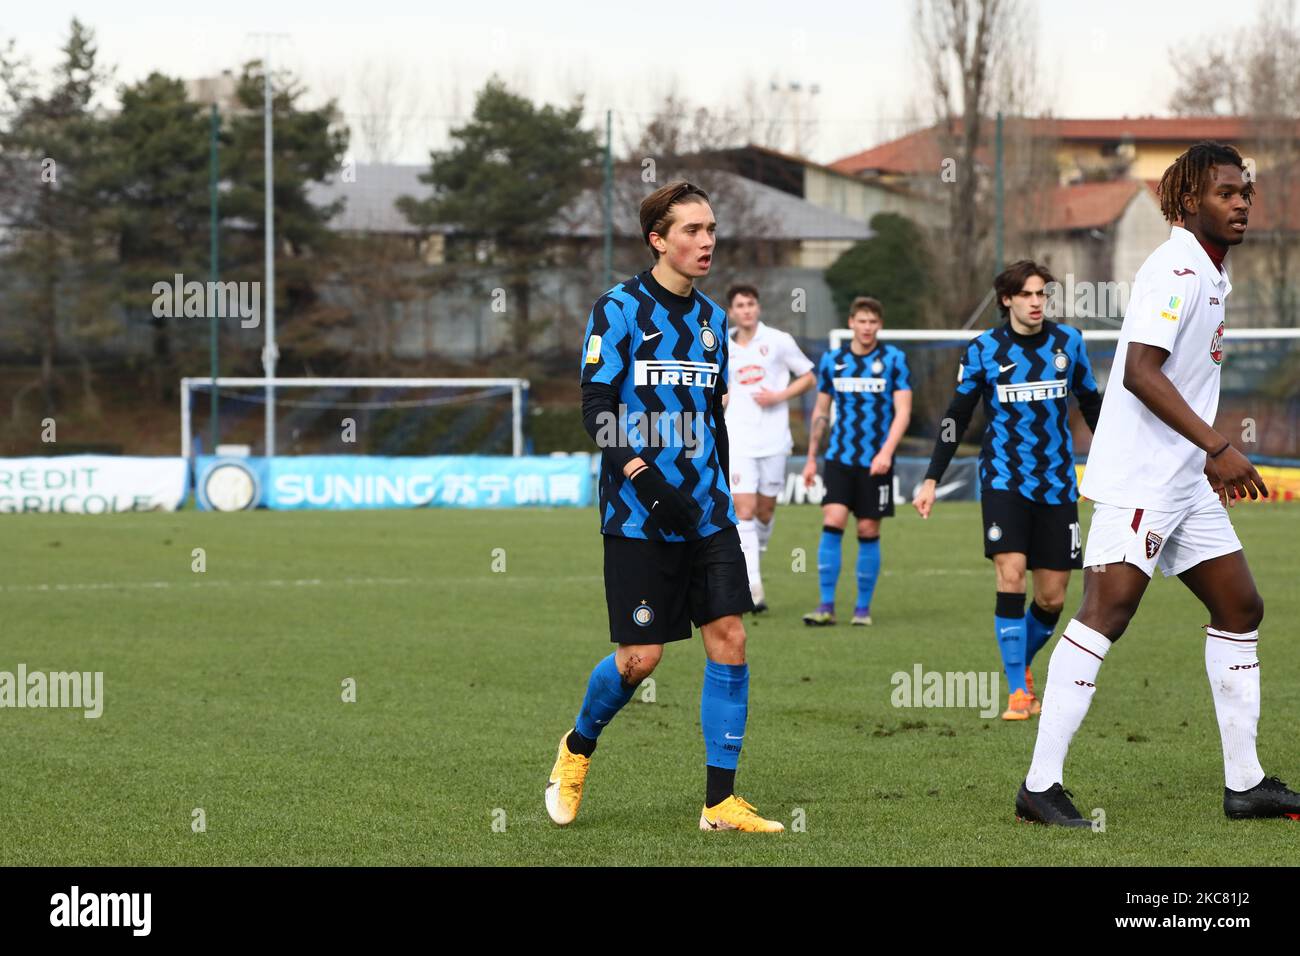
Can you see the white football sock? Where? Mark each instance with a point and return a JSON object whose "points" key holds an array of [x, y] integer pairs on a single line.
{"points": [[1233, 668], [764, 531], [749, 545], [1071, 682]]}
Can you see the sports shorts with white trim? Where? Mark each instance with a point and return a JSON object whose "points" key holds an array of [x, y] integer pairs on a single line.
{"points": [[1174, 541], [763, 476]]}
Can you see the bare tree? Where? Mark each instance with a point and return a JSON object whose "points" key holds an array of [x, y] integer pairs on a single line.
{"points": [[388, 103], [978, 59], [778, 113], [1209, 83], [1255, 74], [681, 141]]}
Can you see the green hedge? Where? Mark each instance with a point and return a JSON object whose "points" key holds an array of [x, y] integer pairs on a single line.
{"points": [[557, 428]]}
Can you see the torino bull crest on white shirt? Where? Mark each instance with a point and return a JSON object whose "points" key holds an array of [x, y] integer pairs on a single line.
{"points": [[768, 361], [1136, 460]]}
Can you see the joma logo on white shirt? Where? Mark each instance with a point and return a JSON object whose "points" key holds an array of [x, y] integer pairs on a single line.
{"points": [[1032, 391], [666, 372], [849, 384]]}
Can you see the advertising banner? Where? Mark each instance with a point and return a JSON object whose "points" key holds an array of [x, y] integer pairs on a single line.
{"points": [[960, 481], [91, 484], [370, 481]]}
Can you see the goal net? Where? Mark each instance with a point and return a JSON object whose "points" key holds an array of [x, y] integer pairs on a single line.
{"points": [[1259, 401], [355, 416]]}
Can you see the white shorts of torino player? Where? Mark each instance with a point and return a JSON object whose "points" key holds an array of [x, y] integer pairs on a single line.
{"points": [[760, 437], [758, 476]]}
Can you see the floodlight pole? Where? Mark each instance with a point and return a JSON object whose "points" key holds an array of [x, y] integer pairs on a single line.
{"points": [[269, 352], [609, 198], [213, 326], [999, 200]]}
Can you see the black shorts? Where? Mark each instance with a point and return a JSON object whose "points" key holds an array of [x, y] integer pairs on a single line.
{"points": [[865, 494], [656, 589], [1047, 535]]}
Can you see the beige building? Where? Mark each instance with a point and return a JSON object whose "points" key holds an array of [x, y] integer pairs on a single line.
{"points": [[1103, 219], [1094, 237], [1087, 150], [826, 187]]}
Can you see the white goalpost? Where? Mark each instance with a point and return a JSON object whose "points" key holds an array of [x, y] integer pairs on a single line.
{"points": [[518, 388], [1274, 349], [839, 336], [932, 343]]}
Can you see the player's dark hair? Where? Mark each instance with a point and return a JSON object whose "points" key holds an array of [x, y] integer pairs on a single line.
{"points": [[1190, 172], [1013, 279], [865, 303], [657, 208], [741, 288]]}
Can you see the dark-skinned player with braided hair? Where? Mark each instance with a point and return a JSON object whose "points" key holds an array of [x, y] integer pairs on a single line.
{"points": [[1162, 479]]}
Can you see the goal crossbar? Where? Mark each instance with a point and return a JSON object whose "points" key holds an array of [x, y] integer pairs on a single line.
{"points": [[518, 387], [1089, 335]]}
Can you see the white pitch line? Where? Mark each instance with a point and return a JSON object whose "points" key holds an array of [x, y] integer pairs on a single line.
{"points": [[163, 585], [321, 582]]}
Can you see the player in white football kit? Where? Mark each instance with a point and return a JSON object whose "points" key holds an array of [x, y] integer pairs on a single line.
{"points": [[1160, 477], [767, 370]]}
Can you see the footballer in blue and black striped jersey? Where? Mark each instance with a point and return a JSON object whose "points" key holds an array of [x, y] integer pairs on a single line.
{"points": [[1025, 382], [654, 373], [869, 384], [862, 388], [666, 355], [1023, 372]]}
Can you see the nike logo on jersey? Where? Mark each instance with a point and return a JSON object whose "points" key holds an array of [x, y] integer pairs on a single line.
{"points": [[1006, 368], [840, 368], [652, 335]]}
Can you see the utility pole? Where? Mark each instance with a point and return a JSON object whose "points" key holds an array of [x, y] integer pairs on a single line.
{"points": [[609, 198], [269, 351], [213, 327], [999, 197]]}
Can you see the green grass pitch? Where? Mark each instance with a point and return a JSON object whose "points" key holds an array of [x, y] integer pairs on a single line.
{"points": [[223, 692]]}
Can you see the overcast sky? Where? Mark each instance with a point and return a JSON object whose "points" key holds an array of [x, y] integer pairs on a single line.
{"points": [[1104, 58]]}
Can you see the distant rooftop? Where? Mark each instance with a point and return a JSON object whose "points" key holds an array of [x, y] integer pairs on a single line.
{"points": [[369, 202], [919, 151], [1088, 205], [370, 205]]}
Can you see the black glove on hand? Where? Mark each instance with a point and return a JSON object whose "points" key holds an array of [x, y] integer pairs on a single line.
{"points": [[669, 508]]}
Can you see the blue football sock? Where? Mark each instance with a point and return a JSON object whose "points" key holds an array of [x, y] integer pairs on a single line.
{"points": [[1039, 627], [606, 695], [724, 705], [828, 562], [868, 569], [1009, 621]]}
